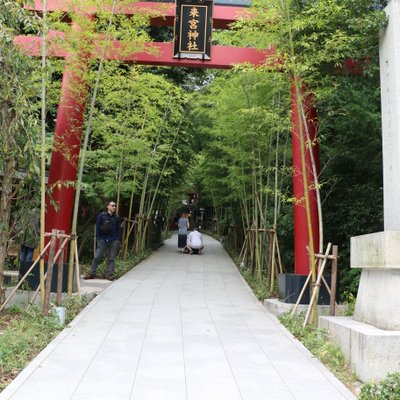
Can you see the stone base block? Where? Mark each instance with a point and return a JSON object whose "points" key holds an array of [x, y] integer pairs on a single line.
{"points": [[376, 250], [278, 307], [372, 352], [378, 300]]}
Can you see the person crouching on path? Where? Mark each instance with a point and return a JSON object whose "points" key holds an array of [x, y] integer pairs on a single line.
{"points": [[108, 231], [195, 241]]}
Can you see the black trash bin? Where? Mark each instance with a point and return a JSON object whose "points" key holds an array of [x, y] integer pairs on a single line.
{"points": [[290, 286], [33, 279]]}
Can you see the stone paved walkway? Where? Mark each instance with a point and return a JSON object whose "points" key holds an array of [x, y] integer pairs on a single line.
{"points": [[177, 327]]}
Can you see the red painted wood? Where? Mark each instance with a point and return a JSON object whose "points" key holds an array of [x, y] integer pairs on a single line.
{"points": [[67, 143], [222, 56], [163, 13], [301, 237]]}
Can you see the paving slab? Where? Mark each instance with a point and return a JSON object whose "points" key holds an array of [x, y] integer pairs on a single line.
{"points": [[176, 327]]}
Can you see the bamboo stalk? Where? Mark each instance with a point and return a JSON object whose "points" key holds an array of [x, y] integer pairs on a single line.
{"points": [[270, 262], [82, 157], [316, 182], [275, 211], [153, 199], [129, 223], [77, 269], [35, 294], [42, 151], [50, 263], [284, 6]]}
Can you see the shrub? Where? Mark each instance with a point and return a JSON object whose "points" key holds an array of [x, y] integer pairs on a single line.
{"points": [[260, 288], [388, 389], [121, 266], [321, 345], [26, 333]]}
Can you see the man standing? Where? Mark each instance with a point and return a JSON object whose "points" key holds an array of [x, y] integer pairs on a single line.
{"points": [[108, 232]]}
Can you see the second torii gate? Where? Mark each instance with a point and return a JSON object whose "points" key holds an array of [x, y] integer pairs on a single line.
{"points": [[68, 132]]}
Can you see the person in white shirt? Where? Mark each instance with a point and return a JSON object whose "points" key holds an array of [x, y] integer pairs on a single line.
{"points": [[195, 241]]}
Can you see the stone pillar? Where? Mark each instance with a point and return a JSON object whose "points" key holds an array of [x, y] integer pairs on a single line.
{"points": [[371, 339], [390, 93], [378, 254]]}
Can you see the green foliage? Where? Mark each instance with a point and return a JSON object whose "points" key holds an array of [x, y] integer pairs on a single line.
{"points": [[25, 336], [121, 266], [324, 35], [321, 345], [27, 333], [314, 38], [74, 305], [350, 303], [136, 111], [260, 288], [350, 121], [18, 122], [388, 389]]}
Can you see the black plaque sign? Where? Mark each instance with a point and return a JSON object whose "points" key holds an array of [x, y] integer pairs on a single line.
{"points": [[193, 27]]}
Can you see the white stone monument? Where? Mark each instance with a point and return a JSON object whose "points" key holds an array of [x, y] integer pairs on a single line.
{"points": [[371, 339]]}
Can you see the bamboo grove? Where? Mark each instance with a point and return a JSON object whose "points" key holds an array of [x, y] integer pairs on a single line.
{"points": [[153, 134]]}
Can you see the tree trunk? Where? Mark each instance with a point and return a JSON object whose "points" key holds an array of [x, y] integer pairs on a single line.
{"points": [[6, 184], [5, 214]]}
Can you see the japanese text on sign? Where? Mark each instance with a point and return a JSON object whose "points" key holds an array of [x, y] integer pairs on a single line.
{"points": [[193, 28]]}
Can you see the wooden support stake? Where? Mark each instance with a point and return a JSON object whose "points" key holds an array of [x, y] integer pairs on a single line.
{"points": [[242, 249], [271, 261], [253, 253], [315, 290], [60, 271], [58, 234], [24, 277], [32, 301], [301, 294], [50, 263], [77, 269], [333, 280], [328, 288], [278, 252], [60, 268]]}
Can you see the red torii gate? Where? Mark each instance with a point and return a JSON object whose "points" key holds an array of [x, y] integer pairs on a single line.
{"points": [[69, 124]]}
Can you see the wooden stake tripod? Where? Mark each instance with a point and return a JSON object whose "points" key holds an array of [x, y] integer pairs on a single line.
{"points": [[323, 258], [54, 257], [274, 258]]}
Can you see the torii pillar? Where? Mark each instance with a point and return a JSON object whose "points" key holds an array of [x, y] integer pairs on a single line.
{"points": [[301, 235], [66, 145]]}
